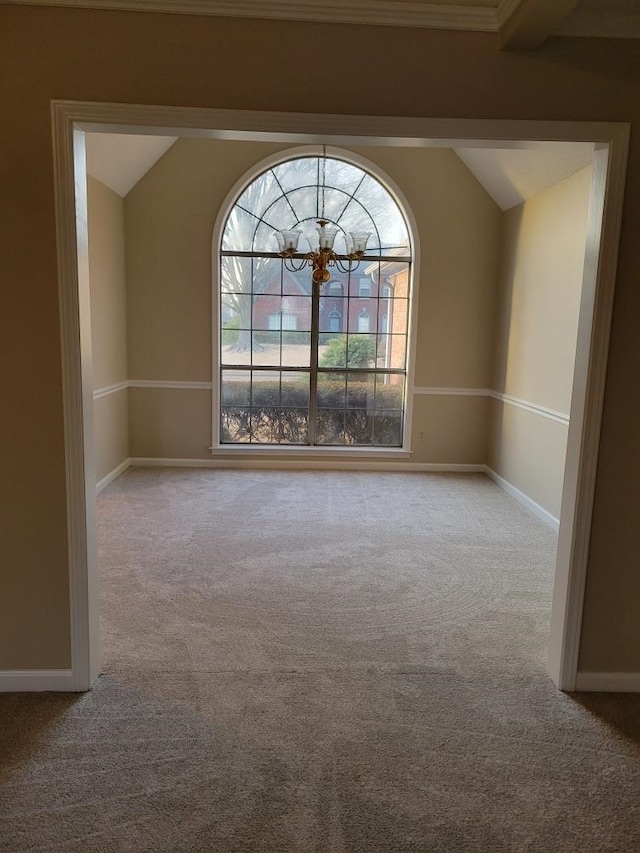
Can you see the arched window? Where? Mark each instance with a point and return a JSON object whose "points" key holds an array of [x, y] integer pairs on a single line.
{"points": [[304, 364], [364, 322], [335, 321]]}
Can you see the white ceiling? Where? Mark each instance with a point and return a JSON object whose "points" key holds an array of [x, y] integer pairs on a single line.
{"points": [[510, 176], [119, 160]]}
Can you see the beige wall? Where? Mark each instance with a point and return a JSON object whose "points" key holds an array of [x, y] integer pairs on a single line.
{"points": [[108, 293], [170, 216], [543, 251], [122, 57]]}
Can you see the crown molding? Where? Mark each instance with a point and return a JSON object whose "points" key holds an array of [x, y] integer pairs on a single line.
{"points": [[505, 10], [394, 13]]}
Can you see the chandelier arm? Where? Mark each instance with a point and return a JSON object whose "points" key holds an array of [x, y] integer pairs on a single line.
{"points": [[291, 265], [346, 265]]}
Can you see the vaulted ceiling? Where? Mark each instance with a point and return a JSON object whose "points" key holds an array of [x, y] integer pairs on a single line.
{"points": [[509, 175]]}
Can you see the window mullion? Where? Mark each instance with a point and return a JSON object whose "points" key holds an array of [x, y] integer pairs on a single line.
{"points": [[313, 361]]}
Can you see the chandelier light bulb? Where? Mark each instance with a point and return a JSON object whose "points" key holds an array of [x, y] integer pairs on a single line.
{"points": [[359, 241], [326, 234]]}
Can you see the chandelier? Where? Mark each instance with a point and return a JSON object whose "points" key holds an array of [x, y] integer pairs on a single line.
{"points": [[323, 256]]}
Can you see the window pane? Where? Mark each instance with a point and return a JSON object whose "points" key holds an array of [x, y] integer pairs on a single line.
{"points": [[387, 428], [266, 275], [364, 322], [358, 427], [398, 310], [279, 216], [279, 425], [279, 407], [296, 349], [344, 176], [389, 391], [295, 173], [235, 424], [332, 348], [361, 349], [263, 308], [332, 311], [265, 390], [361, 391], [287, 313], [235, 388], [392, 351], [304, 202], [235, 275], [331, 390], [236, 311], [239, 231], [330, 426], [335, 202], [266, 349], [264, 239], [260, 194], [294, 392], [385, 212], [297, 283]]}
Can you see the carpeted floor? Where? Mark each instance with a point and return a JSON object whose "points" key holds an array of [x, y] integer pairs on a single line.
{"points": [[320, 661]]}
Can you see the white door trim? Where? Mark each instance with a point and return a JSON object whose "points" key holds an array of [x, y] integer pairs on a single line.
{"points": [[71, 119]]}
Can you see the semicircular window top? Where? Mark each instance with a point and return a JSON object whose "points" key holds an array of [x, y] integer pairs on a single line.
{"points": [[309, 364]]}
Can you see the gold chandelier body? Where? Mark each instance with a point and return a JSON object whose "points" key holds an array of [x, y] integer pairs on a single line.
{"points": [[321, 259]]}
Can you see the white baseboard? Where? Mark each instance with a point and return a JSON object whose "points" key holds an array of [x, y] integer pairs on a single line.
{"points": [[36, 680], [307, 464], [104, 482], [608, 682], [523, 499]]}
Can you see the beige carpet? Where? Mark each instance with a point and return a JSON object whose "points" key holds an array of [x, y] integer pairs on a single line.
{"points": [[320, 661]]}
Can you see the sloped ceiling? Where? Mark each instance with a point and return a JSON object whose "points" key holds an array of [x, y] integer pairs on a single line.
{"points": [[510, 176], [119, 160]]}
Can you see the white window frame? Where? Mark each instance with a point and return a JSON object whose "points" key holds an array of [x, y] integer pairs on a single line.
{"points": [[219, 449], [364, 289], [364, 322]]}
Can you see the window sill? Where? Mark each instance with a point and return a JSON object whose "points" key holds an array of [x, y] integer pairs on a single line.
{"points": [[306, 452]]}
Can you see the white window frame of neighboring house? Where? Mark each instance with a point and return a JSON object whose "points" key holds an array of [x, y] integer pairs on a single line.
{"points": [[283, 320], [364, 322], [364, 289], [367, 166], [335, 315]]}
